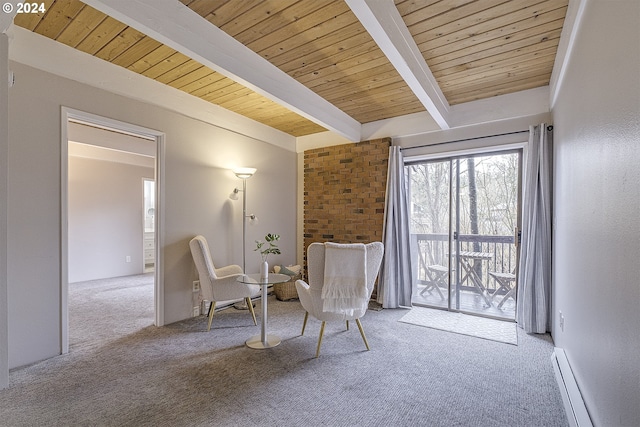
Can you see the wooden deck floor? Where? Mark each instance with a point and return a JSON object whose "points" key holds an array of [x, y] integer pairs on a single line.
{"points": [[470, 303]]}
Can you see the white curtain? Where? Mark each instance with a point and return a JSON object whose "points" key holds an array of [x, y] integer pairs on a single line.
{"points": [[396, 275], [534, 282]]}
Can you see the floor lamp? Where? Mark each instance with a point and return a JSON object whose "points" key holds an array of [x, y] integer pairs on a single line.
{"points": [[243, 174]]}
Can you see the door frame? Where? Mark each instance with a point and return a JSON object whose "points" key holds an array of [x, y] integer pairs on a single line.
{"points": [[70, 114]]}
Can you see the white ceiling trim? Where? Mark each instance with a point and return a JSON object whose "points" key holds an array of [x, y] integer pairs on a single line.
{"points": [[572, 21], [384, 23], [497, 108], [48, 55], [409, 124], [177, 26]]}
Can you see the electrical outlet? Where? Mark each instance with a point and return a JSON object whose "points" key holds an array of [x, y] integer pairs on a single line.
{"points": [[196, 286], [128, 258], [561, 322], [196, 311]]}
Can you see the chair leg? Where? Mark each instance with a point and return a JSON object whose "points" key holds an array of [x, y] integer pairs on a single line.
{"points": [[304, 323], [362, 333], [508, 295], [212, 308], [347, 325], [253, 313], [320, 339]]}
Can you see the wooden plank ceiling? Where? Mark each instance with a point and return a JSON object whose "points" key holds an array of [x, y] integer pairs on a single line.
{"points": [[475, 48]]}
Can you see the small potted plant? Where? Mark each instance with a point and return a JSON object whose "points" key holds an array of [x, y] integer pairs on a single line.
{"points": [[266, 248]]}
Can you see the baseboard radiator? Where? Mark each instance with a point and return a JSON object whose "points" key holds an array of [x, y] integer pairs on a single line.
{"points": [[571, 396]]}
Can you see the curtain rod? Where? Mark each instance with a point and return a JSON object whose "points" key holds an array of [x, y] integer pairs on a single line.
{"points": [[463, 140]]}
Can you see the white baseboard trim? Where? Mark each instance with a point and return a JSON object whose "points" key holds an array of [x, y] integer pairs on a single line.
{"points": [[571, 397]]}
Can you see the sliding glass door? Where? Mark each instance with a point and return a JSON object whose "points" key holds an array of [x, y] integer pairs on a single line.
{"points": [[464, 222], [430, 200]]}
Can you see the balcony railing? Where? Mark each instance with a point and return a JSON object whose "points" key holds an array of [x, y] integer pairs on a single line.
{"points": [[433, 249]]}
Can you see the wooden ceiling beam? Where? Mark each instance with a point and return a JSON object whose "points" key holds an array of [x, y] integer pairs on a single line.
{"points": [[383, 21], [180, 28]]}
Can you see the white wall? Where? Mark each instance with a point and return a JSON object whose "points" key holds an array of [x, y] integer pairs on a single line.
{"points": [[105, 218], [597, 205], [198, 157], [470, 138], [496, 136]]}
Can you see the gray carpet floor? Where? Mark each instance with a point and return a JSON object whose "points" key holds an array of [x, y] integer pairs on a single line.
{"points": [[122, 371]]}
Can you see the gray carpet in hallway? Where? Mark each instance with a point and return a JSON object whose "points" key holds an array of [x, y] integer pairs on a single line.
{"points": [[128, 373]]}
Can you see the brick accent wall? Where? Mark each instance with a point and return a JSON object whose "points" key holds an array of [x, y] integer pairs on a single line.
{"points": [[344, 189]]}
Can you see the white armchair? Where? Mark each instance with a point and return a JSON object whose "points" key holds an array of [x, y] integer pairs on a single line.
{"points": [[219, 284], [310, 294]]}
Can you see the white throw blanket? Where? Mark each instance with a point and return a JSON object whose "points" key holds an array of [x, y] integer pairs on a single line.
{"points": [[345, 278]]}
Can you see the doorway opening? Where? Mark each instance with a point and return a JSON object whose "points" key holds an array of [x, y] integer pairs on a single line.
{"points": [[149, 217], [465, 221], [104, 219]]}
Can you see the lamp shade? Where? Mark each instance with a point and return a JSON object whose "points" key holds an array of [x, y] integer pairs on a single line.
{"points": [[244, 173]]}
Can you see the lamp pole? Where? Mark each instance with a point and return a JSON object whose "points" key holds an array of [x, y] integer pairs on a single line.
{"points": [[244, 174], [244, 225]]}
